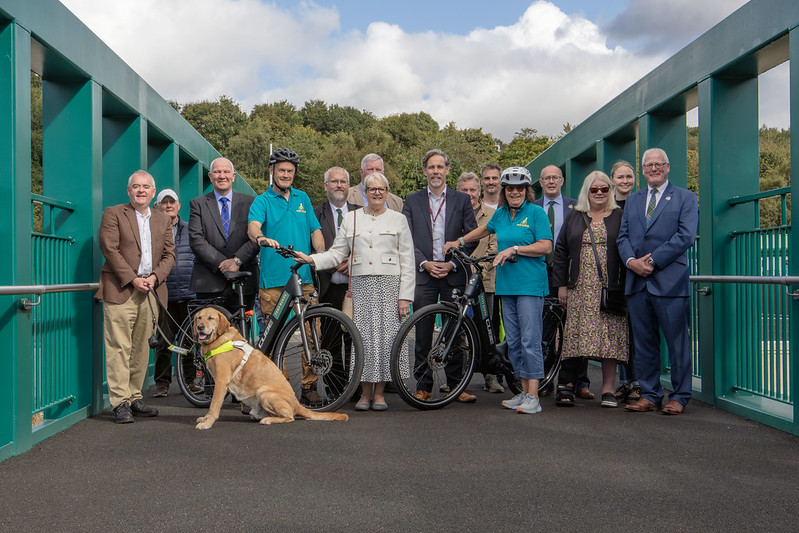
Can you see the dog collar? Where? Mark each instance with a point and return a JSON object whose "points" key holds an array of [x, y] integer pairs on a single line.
{"points": [[222, 348]]}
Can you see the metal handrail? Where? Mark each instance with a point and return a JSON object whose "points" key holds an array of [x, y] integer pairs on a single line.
{"points": [[755, 280], [7, 290]]}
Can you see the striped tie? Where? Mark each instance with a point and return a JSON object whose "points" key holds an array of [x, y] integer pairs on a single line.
{"points": [[225, 216], [551, 216], [650, 209]]}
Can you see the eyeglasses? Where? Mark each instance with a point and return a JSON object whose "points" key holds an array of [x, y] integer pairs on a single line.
{"points": [[551, 178], [602, 189], [376, 190], [338, 182], [650, 166], [516, 187]]}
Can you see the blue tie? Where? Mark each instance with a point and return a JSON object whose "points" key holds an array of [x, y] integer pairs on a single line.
{"points": [[225, 216]]}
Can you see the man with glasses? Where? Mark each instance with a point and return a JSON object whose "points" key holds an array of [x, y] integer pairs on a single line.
{"points": [[283, 216], [436, 215], [557, 206], [357, 195], [657, 229], [218, 238]]}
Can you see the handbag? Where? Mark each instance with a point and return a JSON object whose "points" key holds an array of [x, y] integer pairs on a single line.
{"points": [[611, 300], [346, 304]]}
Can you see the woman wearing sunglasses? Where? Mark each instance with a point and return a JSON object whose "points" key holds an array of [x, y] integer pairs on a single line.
{"points": [[589, 332]]}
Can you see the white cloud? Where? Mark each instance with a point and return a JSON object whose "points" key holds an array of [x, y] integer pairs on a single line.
{"points": [[544, 70]]}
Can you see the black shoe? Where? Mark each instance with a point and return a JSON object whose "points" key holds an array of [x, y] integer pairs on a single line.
{"points": [[122, 414], [140, 409]]}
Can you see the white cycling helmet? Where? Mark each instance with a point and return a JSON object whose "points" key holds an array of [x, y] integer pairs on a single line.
{"points": [[516, 176]]}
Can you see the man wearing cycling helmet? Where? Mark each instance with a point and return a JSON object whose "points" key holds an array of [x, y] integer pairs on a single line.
{"points": [[523, 233], [284, 216]]}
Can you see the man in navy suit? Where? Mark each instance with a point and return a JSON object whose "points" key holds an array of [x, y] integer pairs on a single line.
{"points": [[557, 206], [658, 227], [437, 214], [218, 238]]}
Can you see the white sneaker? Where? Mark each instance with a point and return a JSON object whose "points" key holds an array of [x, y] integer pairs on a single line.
{"points": [[514, 402], [492, 385], [530, 405]]}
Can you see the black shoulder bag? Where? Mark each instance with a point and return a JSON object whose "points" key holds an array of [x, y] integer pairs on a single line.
{"points": [[611, 301]]}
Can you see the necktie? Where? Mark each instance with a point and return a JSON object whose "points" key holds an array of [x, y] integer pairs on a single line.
{"points": [[225, 216], [551, 216], [650, 208], [340, 217]]}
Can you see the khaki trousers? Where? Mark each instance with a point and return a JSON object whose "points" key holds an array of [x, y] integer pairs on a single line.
{"points": [[128, 327], [267, 299]]}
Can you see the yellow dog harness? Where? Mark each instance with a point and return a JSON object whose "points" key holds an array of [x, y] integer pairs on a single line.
{"points": [[226, 347]]}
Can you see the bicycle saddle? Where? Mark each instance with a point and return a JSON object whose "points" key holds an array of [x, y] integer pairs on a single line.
{"points": [[237, 275]]}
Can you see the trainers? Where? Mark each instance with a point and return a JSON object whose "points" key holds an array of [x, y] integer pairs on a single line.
{"points": [[530, 405], [492, 385], [311, 398], [635, 394], [622, 392], [139, 408], [194, 388], [514, 402], [444, 388], [609, 400], [122, 414], [161, 391]]}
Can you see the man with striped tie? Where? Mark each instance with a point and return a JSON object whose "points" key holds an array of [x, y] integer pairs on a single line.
{"points": [[218, 238], [658, 227]]}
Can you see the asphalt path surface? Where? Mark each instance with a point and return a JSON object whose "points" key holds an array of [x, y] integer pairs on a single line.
{"points": [[467, 467]]}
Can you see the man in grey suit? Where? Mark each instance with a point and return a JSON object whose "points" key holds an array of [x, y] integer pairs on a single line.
{"points": [[557, 206], [436, 215], [658, 227], [218, 238]]}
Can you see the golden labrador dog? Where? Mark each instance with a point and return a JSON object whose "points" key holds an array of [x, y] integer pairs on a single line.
{"points": [[259, 383]]}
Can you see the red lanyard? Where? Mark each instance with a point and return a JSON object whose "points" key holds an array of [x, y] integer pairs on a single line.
{"points": [[429, 206]]}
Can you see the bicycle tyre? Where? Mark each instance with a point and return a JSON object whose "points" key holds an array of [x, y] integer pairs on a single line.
{"points": [[338, 365], [450, 374], [194, 379]]}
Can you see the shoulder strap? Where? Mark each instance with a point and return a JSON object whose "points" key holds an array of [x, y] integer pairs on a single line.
{"points": [[593, 247], [352, 248]]}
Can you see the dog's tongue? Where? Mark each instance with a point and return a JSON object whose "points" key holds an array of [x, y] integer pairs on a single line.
{"points": [[201, 336]]}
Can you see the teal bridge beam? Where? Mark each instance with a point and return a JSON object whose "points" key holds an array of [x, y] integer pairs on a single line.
{"points": [[742, 334], [101, 122]]}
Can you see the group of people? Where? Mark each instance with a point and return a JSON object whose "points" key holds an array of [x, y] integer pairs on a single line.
{"points": [[390, 255]]}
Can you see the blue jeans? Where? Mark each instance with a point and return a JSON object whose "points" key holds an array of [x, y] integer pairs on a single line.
{"points": [[522, 316]]}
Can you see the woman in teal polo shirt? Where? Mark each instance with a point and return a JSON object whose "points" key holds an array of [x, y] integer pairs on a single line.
{"points": [[522, 230]]}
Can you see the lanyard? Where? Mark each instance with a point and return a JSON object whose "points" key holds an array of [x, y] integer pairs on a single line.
{"points": [[429, 206]]}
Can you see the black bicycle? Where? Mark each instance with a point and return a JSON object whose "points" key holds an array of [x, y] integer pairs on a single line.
{"points": [[459, 345], [315, 345]]}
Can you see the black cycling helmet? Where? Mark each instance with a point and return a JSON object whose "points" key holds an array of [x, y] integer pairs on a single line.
{"points": [[516, 176], [284, 154]]}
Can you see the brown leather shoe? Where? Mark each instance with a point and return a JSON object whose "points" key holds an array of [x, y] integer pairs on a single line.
{"points": [[422, 395], [673, 408], [641, 406], [465, 397], [584, 394]]}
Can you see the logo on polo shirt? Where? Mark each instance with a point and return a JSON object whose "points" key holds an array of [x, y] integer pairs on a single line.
{"points": [[301, 209], [523, 223]]}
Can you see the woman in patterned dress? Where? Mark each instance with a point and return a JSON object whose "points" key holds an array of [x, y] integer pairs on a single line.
{"points": [[383, 281], [589, 332]]}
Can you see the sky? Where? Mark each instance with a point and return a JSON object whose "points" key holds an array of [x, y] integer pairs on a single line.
{"points": [[501, 66]]}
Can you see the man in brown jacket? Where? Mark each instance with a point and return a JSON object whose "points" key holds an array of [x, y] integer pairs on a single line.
{"points": [[139, 253]]}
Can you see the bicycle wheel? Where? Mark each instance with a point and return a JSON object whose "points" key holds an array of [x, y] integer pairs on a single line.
{"points": [[336, 361], [434, 354], [195, 381], [552, 345]]}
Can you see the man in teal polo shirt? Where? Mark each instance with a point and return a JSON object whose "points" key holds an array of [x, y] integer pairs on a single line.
{"points": [[284, 216]]}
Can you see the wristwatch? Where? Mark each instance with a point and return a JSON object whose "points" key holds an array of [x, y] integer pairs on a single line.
{"points": [[650, 262], [516, 250], [237, 260]]}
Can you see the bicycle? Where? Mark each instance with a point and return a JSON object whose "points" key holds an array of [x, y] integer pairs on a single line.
{"points": [[299, 337], [462, 345]]}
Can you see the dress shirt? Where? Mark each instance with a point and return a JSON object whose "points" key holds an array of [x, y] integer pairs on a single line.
{"points": [[229, 196], [336, 276], [661, 190], [557, 207], [438, 221], [146, 263]]}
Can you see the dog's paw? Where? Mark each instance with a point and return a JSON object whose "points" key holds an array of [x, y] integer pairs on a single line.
{"points": [[202, 418], [204, 425]]}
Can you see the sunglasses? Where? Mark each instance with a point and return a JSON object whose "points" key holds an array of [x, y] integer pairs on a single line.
{"points": [[595, 190]]}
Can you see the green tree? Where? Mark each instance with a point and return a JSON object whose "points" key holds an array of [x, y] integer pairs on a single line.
{"points": [[525, 146], [217, 121]]}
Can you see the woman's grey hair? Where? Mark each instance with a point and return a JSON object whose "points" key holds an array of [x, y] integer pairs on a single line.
{"points": [[376, 176]]}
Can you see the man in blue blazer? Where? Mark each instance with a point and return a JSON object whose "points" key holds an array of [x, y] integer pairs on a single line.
{"points": [[437, 214], [658, 227]]}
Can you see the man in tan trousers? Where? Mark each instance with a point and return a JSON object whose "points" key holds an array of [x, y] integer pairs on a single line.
{"points": [[137, 244]]}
